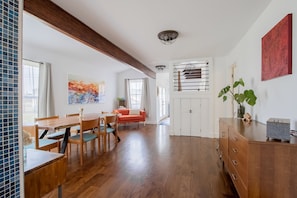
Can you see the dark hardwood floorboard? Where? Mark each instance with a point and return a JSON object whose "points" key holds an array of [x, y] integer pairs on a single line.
{"points": [[148, 163]]}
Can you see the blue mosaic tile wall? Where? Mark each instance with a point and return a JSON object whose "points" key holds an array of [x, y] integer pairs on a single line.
{"points": [[9, 148]]}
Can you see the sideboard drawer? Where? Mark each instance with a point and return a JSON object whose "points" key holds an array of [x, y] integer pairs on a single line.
{"points": [[238, 146], [223, 142], [237, 154], [240, 169], [239, 184], [239, 150]]}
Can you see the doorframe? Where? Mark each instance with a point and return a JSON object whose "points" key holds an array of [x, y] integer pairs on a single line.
{"points": [[209, 94]]}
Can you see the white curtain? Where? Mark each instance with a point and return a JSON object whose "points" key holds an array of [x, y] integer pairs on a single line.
{"points": [[45, 99], [127, 94], [145, 97]]}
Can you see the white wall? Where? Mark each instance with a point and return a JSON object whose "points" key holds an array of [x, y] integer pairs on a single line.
{"points": [[221, 109], [276, 97], [64, 64], [132, 74]]}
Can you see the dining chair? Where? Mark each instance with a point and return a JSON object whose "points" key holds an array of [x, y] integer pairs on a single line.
{"points": [[102, 120], [102, 124], [87, 133], [56, 135], [42, 144], [74, 129], [109, 125]]}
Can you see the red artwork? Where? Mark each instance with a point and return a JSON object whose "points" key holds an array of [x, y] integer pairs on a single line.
{"points": [[277, 50]]}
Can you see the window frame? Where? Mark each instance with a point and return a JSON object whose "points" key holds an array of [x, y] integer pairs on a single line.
{"points": [[30, 96], [136, 92]]}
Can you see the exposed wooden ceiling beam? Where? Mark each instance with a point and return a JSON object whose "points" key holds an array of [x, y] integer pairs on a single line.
{"points": [[64, 22]]}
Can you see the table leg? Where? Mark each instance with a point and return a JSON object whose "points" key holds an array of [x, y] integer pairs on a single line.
{"points": [[60, 191], [65, 140], [43, 134]]}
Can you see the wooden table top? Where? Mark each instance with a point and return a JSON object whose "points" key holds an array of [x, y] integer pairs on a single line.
{"points": [[38, 158], [65, 122], [59, 123]]}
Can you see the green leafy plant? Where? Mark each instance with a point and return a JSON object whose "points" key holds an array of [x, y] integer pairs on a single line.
{"points": [[247, 95], [120, 99]]}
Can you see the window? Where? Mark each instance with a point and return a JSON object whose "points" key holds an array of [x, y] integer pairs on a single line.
{"points": [[30, 90], [135, 89], [191, 76]]}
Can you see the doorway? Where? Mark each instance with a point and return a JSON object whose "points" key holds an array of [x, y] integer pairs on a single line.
{"points": [[163, 98]]}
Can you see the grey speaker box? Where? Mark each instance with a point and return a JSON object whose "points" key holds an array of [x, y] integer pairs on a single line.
{"points": [[278, 128]]}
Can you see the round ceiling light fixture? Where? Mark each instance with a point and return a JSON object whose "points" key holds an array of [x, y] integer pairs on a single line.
{"points": [[160, 67], [168, 37]]}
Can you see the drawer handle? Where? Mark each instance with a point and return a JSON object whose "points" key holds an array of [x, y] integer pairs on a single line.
{"points": [[234, 162], [234, 150], [233, 177]]}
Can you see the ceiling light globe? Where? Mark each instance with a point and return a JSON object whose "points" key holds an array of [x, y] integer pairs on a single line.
{"points": [[168, 37]]}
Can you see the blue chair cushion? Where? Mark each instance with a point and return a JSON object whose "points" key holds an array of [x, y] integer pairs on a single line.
{"points": [[86, 137], [108, 129], [42, 143]]}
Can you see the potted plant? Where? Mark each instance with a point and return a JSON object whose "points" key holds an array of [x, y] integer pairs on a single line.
{"points": [[247, 96], [121, 101]]}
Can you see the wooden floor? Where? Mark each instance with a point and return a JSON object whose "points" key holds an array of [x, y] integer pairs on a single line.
{"points": [[149, 163]]}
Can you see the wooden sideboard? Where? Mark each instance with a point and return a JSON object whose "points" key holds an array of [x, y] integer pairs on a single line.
{"points": [[258, 167], [44, 171]]}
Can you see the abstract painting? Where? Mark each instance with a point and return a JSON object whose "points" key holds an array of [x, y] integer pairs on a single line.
{"points": [[277, 50], [84, 91]]}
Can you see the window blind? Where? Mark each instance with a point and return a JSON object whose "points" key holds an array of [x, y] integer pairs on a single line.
{"points": [[191, 76]]}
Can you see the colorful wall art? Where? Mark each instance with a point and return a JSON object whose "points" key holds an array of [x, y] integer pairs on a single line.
{"points": [[84, 91], [277, 50]]}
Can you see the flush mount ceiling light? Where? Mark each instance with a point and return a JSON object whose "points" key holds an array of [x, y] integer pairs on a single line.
{"points": [[160, 67], [168, 37]]}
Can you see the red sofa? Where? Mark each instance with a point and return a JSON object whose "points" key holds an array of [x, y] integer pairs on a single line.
{"points": [[130, 115]]}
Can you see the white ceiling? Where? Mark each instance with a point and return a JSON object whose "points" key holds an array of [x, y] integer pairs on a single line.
{"points": [[207, 28]]}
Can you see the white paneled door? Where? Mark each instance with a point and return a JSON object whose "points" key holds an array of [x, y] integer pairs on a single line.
{"points": [[191, 116], [204, 117]]}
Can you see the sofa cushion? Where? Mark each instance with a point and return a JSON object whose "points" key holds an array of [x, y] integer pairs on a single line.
{"points": [[134, 112], [129, 118]]}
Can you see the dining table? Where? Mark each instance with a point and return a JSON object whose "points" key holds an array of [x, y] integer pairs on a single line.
{"points": [[65, 123]]}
